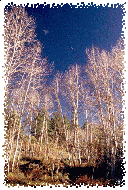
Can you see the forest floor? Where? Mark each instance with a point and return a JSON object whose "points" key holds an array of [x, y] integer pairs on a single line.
{"points": [[36, 172]]}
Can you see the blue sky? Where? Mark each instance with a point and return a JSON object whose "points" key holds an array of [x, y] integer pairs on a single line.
{"points": [[66, 31]]}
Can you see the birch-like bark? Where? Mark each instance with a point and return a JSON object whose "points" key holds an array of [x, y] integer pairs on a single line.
{"points": [[56, 90], [21, 123], [104, 70]]}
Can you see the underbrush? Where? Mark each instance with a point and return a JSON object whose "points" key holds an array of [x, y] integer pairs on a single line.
{"points": [[39, 171]]}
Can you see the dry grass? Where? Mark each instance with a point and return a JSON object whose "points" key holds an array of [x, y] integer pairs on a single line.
{"points": [[45, 174], [52, 168]]}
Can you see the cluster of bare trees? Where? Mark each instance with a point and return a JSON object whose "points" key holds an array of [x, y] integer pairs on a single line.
{"points": [[25, 72], [96, 94]]}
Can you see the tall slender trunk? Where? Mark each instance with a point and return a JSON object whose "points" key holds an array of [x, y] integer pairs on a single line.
{"points": [[87, 126], [30, 136], [47, 149], [11, 143], [20, 124], [42, 132], [59, 105], [17, 144], [20, 151]]}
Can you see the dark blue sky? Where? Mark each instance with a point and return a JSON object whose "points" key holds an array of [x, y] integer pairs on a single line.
{"points": [[71, 30]]}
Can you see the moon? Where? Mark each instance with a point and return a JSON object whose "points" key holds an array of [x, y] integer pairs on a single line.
{"points": [[46, 32]]}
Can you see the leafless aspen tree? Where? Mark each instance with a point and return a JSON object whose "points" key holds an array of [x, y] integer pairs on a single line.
{"points": [[106, 74], [24, 68], [71, 90]]}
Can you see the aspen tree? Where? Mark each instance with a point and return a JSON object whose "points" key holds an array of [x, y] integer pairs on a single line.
{"points": [[23, 65], [105, 70], [71, 91]]}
